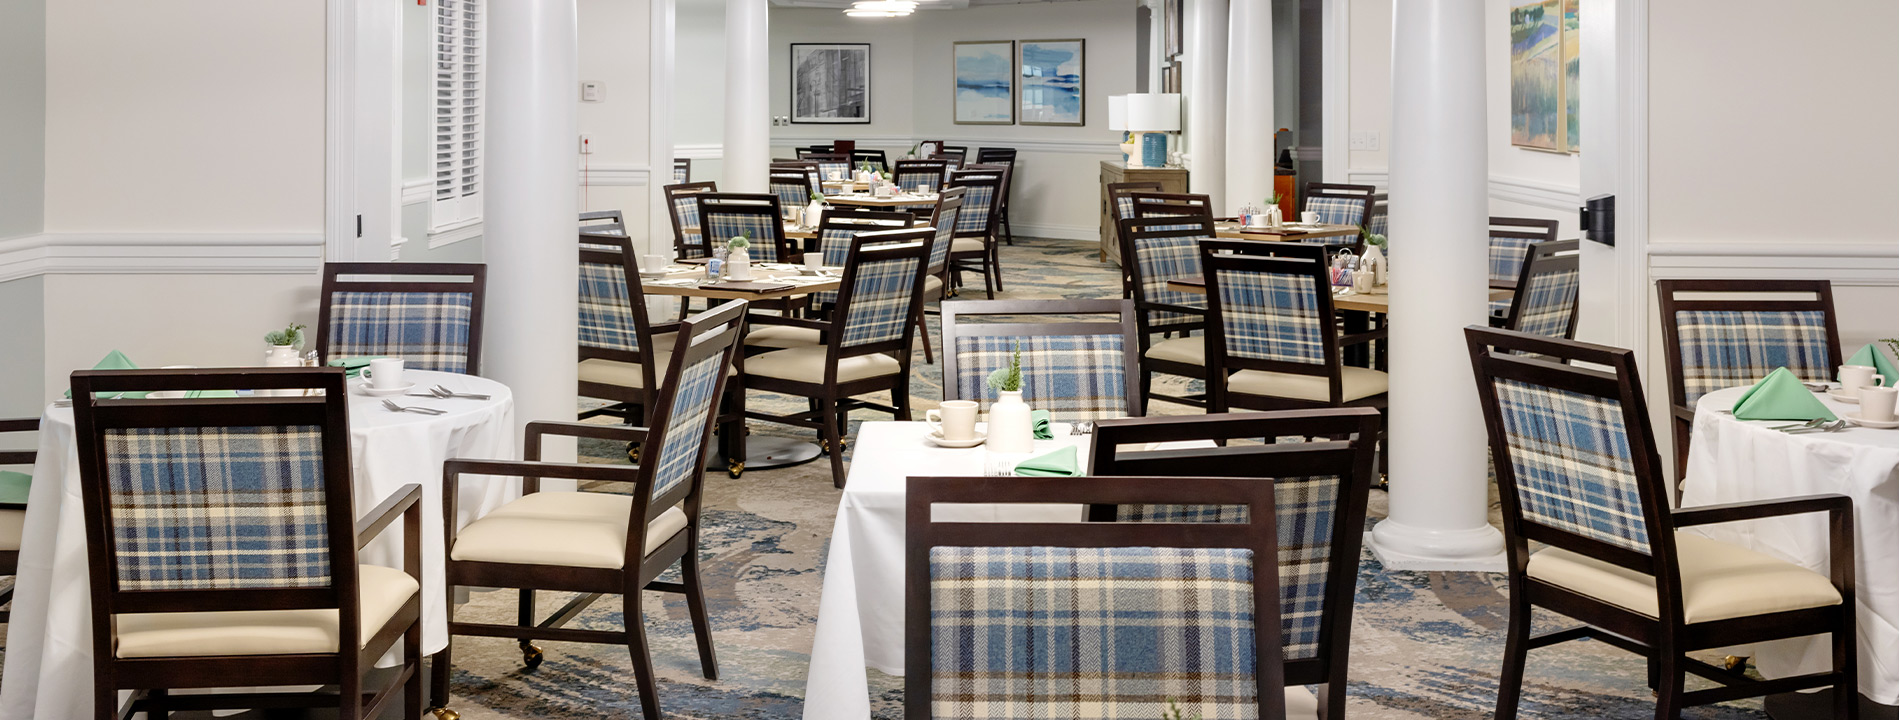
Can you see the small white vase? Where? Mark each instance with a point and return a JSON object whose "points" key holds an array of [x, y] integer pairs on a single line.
{"points": [[814, 214], [281, 356], [1009, 430], [738, 266]]}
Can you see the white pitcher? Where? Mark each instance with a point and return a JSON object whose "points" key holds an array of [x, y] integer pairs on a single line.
{"points": [[1010, 430]]}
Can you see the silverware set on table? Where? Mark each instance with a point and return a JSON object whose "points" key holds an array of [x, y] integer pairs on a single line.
{"points": [[439, 393], [1816, 425]]}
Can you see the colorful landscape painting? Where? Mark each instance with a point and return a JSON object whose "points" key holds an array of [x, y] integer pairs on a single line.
{"points": [[1537, 91], [985, 82], [1052, 82], [1572, 42]]}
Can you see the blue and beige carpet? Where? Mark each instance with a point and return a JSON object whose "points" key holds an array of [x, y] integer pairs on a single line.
{"points": [[1424, 645]]}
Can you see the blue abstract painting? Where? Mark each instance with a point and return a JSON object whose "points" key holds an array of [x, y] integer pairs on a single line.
{"points": [[1051, 82], [985, 82]]}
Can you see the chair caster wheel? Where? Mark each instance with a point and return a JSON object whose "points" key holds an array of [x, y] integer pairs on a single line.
{"points": [[1735, 663], [735, 468], [633, 452], [531, 656], [443, 713], [1385, 483], [824, 446]]}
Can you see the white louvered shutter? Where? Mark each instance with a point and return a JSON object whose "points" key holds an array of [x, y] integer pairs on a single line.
{"points": [[459, 94]]}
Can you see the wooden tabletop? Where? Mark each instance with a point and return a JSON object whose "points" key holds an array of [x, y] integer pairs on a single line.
{"points": [[867, 200], [1375, 303], [1232, 230], [676, 283]]}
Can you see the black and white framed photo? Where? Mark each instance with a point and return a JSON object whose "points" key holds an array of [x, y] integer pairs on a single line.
{"points": [[831, 83]]}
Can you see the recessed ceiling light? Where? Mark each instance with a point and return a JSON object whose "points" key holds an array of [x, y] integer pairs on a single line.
{"points": [[881, 8]]}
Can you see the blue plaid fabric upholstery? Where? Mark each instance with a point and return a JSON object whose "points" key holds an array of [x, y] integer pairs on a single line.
{"points": [[792, 191], [606, 309], [978, 203], [834, 244], [686, 207], [1124, 206], [946, 232], [1379, 221], [218, 507], [1338, 210], [762, 229], [680, 175], [428, 330], [1304, 509], [827, 167], [1272, 316], [880, 301], [910, 179], [1549, 303], [693, 401], [1571, 455], [1726, 348], [1045, 632], [1500, 308], [1074, 377], [1159, 260], [1508, 255]]}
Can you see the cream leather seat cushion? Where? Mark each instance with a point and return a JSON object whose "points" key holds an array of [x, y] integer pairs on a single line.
{"points": [[1355, 383], [1190, 350], [12, 525], [933, 287], [966, 245], [572, 529], [807, 364], [782, 336], [263, 632], [1719, 581]]}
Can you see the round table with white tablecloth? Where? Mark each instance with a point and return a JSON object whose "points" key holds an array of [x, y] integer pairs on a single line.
{"points": [[1734, 460], [49, 639]]}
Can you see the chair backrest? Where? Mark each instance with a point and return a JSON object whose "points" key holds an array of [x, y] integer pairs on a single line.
{"points": [[432, 323], [682, 201], [958, 154], [1379, 221], [1159, 249], [240, 503], [982, 190], [613, 323], [944, 220], [1546, 299], [1121, 200], [1187, 613], [686, 409], [723, 216], [910, 173], [1080, 359], [1746, 330], [875, 157], [838, 229], [879, 295], [1320, 490], [603, 222], [1510, 238], [809, 150], [995, 155], [682, 170], [1270, 307], [794, 188], [1340, 204], [829, 163], [1576, 462], [1147, 204]]}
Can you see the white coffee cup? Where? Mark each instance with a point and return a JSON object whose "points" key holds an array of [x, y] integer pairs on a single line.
{"points": [[814, 260], [1259, 220], [883, 191], [1876, 403], [1310, 217], [1856, 376], [923, 188], [954, 421], [652, 263], [385, 373], [834, 175]]}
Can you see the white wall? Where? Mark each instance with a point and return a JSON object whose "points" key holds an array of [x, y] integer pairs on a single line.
{"points": [[613, 51], [699, 71], [22, 117]]}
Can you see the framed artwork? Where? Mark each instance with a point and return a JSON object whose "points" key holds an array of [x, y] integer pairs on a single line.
{"points": [[1171, 29], [1537, 89], [1572, 43], [1052, 87], [985, 82], [831, 83]]}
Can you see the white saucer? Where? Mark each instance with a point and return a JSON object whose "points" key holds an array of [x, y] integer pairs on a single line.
{"points": [[653, 274], [1840, 395], [379, 392], [1856, 419], [937, 440]]}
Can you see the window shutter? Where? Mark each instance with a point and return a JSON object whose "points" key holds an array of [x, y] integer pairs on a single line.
{"points": [[460, 49]]}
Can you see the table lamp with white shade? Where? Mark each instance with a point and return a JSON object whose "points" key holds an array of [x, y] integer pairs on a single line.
{"points": [[1151, 116], [1118, 121]]}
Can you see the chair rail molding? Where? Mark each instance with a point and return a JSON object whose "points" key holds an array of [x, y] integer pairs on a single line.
{"points": [[161, 254], [1524, 191], [626, 175], [1867, 263]]}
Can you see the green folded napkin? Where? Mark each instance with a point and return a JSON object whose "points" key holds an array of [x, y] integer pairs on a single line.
{"points": [[1873, 357], [1060, 463], [14, 487], [1780, 396], [1039, 419], [115, 360], [353, 366]]}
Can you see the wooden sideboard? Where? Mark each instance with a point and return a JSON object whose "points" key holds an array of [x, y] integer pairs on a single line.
{"points": [[1172, 180]]}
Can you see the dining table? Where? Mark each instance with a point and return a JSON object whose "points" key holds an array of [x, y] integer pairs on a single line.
{"points": [[49, 665], [900, 199], [1378, 301], [1734, 460], [1287, 232], [770, 281]]}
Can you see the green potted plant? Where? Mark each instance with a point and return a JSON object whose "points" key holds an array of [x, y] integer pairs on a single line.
{"points": [[285, 346]]}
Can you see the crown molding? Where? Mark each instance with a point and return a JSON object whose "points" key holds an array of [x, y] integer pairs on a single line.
{"points": [[160, 254]]}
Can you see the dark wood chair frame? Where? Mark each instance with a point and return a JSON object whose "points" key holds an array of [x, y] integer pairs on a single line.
{"points": [[957, 316], [762, 204], [1541, 258], [947, 200], [673, 193], [686, 164], [876, 158], [718, 331], [833, 400], [806, 176], [1349, 458], [1536, 230], [923, 533], [1365, 193], [908, 167], [152, 679], [1115, 193], [10, 559], [1284, 258], [476, 285], [984, 261], [1153, 221], [1663, 639], [615, 222], [1669, 305]]}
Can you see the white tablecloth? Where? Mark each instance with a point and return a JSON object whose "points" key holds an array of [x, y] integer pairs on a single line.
{"points": [[48, 670], [1734, 460]]}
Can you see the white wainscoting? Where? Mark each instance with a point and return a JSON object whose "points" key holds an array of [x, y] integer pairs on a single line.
{"points": [[1851, 264], [160, 254], [606, 175], [1525, 191]]}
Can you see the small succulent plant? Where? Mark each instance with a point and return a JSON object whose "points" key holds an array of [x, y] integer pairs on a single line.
{"points": [[290, 335], [739, 242], [1008, 379]]}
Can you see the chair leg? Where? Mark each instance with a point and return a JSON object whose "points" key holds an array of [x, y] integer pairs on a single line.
{"points": [[530, 655], [643, 679], [900, 399], [1516, 647], [1669, 683], [412, 656], [834, 442], [996, 265], [105, 703], [349, 693], [1847, 688], [923, 331], [696, 607], [439, 667]]}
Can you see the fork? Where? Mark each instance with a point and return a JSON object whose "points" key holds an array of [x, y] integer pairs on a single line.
{"points": [[393, 407], [1836, 426], [444, 392]]}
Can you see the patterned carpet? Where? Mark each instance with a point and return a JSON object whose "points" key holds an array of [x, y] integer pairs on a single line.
{"points": [[1425, 645]]}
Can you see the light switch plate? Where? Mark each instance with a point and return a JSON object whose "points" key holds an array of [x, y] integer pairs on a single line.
{"points": [[590, 91], [1364, 140], [587, 144]]}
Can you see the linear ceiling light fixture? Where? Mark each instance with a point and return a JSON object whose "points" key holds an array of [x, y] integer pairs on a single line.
{"points": [[881, 8]]}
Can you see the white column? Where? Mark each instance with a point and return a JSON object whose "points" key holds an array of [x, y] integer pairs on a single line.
{"points": [[661, 14], [748, 141], [1205, 70], [530, 204], [1250, 118], [1438, 205]]}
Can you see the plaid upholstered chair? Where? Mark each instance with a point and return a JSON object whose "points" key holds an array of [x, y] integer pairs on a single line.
{"points": [[974, 248], [1155, 250], [723, 216], [829, 163], [596, 543], [14, 487], [603, 222], [840, 226], [224, 547], [432, 324], [1340, 204], [1546, 300], [1092, 621], [1121, 196], [1578, 472], [1271, 343], [876, 158], [1320, 490], [909, 174], [1078, 356], [1510, 239], [682, 203], [794, 188], [682, 171], [1724, 333], [867, 341]]}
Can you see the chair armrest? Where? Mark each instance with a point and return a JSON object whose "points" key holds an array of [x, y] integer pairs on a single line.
{"points": [[663, 328], [402, 501], [1682, 413], [790, 321], [527, 468], [1362, 338], [1732, 512], [1504, 284], [590, 431]]}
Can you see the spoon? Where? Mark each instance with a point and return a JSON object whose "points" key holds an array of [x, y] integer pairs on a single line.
{"points": [[414, 409]]}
